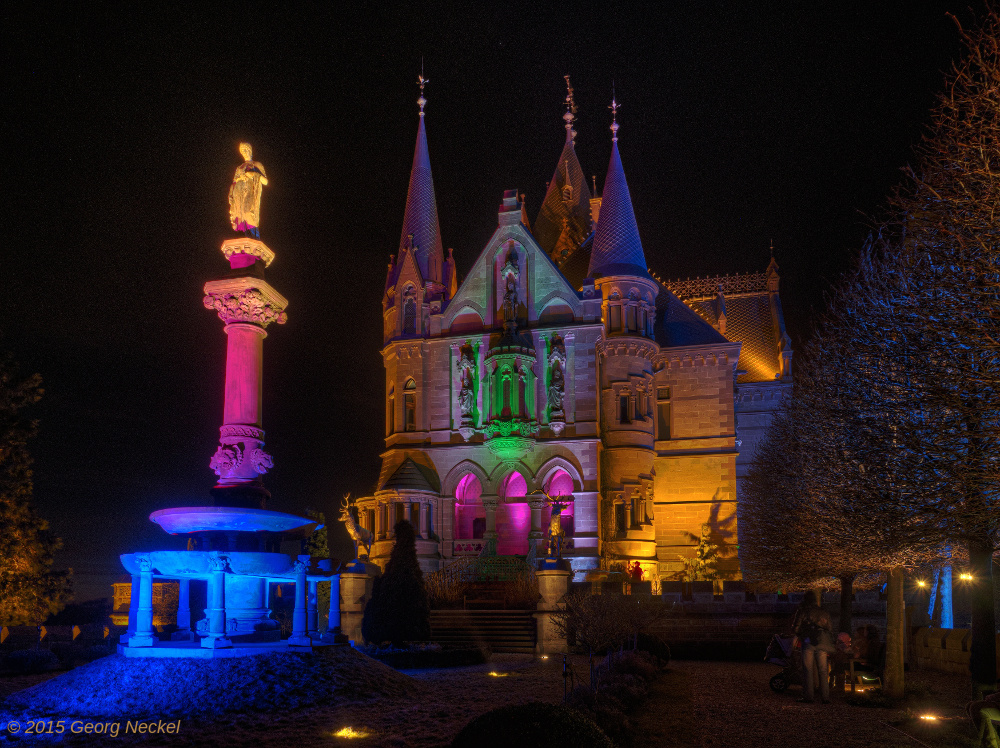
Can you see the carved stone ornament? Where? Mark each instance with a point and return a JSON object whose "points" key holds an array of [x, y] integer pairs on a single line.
{"points": [[231, 458], [144, 562], [467, 383], [248, 305], [300, 567], [218, 563]]}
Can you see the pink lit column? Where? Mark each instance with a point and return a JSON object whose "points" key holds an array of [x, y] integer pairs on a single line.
{"points": [[247, 305]]}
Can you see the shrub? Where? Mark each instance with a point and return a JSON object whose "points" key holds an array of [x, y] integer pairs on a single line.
{"points": [[532, 725], [428, 656], [638, 663], [626, 689], [655, 646], [30, 661], [398, 610]]}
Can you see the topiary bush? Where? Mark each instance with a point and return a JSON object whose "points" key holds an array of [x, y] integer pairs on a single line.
{"points": [[31, 661], [398, 610], [532, 725]]}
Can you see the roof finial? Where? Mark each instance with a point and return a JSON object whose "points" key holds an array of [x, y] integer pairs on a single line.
{"points": [[772, 249], [615, 106], [422, 102], [570, 116]]}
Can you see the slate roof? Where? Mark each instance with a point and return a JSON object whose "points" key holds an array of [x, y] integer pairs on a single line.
{"points": [[563, 224], [421, 217], [617, 247], [748, 319], [679, 325], [410, 476]]}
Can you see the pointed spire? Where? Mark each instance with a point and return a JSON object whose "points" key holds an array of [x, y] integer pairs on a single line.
{"points": [[617, 247], [420, 221], [563, 221]]}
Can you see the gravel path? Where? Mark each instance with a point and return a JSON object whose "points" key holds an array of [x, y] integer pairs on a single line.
{"points": [[735, 708]]}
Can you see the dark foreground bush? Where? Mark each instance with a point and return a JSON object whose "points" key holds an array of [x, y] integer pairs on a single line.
{"points": [[398, 610], [427, 657], [603, 711], [532, 725], [655, 646], [30, 661]]}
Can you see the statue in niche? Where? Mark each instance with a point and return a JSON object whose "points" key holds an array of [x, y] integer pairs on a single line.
{"points": [[510, 302], [557, 388], [557, 383], [245, 192], [467, 382]]}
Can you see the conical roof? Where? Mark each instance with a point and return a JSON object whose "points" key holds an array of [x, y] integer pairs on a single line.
{"points": [[563, 221], [617, 248], [408, 477], [421, 217]]}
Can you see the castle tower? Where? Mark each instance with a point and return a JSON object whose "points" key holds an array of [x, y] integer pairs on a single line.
{"points": [[625, 370], [564, 220], [419, 279]]}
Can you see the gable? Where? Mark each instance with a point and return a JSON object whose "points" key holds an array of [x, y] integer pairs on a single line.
{"points": [[544, 295]]}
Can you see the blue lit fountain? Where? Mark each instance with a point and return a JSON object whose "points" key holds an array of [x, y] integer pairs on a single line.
{"points": [[234, 546]]}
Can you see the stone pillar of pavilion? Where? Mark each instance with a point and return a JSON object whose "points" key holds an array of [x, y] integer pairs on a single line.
{"points": [[490, 504]]}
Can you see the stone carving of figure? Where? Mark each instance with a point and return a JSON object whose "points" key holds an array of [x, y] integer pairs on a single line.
{"points": [[467, 379], [510, 301], [557, 388], [244, 194]]}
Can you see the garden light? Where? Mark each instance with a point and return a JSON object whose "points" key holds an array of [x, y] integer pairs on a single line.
{"points": [[349, 732], [965, 577], [495, 674], [928, 717], [921, 583]]}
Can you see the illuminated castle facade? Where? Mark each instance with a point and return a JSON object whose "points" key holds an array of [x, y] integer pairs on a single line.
{"points": [[561, 364]]}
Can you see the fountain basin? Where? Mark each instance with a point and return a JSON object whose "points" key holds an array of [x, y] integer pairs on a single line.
{"points": [[187, 519], [198, 564]]}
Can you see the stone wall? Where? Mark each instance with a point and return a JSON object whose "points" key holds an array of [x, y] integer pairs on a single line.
{"points": [[946, 650]]}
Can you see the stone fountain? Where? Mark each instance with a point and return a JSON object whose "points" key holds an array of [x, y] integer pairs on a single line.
{"points": [[234, 543]]}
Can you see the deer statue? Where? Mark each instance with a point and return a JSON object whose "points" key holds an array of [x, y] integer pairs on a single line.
{"points": [[359, 535], [556, 533]]}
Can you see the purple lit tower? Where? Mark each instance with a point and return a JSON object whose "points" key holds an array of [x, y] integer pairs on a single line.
{"points": [[234, 546]]}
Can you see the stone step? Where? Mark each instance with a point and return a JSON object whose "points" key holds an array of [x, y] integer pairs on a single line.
{"points": [[503, 630]]}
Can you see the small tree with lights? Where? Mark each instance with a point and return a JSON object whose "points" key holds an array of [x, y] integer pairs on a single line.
{"points": [[30, 589]]}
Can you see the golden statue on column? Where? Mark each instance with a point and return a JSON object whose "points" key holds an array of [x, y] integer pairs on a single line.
{"points": [[244, 194]]}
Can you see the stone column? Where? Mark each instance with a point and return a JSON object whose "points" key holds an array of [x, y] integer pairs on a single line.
{"points": [[407, 508], [143, 634], [247, 305], [183, 632], [355, 590], [312, 617], [536, 542], [490, 504], [425, 515], [553, 584], [133, 609], [300, 616], [333, 622], [216, 612]]}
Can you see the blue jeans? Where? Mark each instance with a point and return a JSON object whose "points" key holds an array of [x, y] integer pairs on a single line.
{"points": [[813, 661]]}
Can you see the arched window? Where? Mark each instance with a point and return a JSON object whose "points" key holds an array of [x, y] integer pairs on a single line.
{"points": [[391, 410], [561, 484], [409, 312], [505, 394], [470, 519], [410, 404]]}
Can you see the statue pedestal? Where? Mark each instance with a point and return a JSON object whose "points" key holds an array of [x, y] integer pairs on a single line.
{"points": [[356, 583], [553, 584]]}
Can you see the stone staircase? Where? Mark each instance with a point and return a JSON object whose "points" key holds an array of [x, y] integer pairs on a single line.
{"points": [[501, 630]]}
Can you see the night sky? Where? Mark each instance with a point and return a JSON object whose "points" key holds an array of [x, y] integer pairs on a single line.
{"points": [[741, 123]]}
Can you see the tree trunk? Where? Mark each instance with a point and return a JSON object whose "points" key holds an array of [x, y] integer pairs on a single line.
{"points": [[846, 593], [983, 652], [895, 647]]}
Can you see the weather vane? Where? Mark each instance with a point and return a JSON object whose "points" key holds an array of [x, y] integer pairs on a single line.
{"points": [[570, 114], [423, 82], [615, 106]]}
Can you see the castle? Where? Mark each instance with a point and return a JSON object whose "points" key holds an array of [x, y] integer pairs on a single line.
{"points": [[562, 364]]}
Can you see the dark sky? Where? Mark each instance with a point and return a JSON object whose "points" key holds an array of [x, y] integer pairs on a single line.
{"points": [[741, 122]]}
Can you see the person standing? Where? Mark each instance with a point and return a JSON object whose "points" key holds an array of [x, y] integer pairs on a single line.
{"points": [[812, 626]]}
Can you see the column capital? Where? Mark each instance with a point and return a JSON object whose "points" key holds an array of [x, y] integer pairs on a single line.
{"points": [[248, 300]]}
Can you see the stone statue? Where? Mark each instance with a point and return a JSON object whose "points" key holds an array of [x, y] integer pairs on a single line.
{"points": [[467, 382], [557, 388], [510, 301], [244, 194], [556, 534], [359, 535]]}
